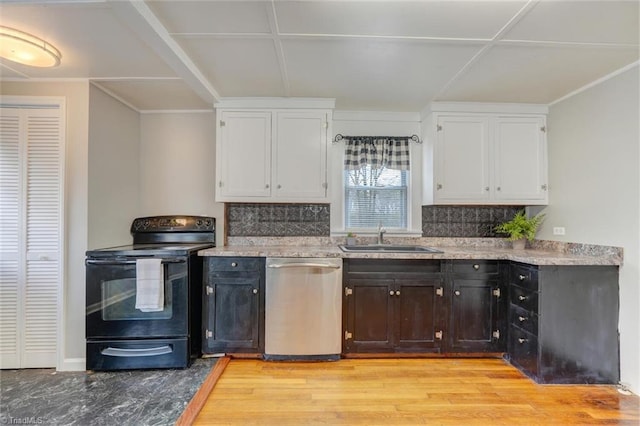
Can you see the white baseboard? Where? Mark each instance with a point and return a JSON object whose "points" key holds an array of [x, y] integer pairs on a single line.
{"points": [[73, 364]]}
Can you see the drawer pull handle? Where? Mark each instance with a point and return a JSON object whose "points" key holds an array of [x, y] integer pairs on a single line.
{"points": [[522, 277], [476, 266], [522, 319], [521, 297], [234, 264], [521, 340]]}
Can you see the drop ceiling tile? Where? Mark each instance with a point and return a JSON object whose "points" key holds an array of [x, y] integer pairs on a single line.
{"points": [[373, 74], [580, 21], [213, 16], [455, 19], [149, 95], [236, 66], [535, 74]]}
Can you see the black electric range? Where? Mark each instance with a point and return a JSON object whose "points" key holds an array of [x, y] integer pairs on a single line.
{"points": [[121, 336]]}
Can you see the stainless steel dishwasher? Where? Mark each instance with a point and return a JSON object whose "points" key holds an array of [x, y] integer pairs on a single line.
{"points": [[303, 309]]}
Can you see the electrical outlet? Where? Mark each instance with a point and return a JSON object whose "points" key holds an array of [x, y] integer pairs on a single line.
{"points": [[558, 230]]}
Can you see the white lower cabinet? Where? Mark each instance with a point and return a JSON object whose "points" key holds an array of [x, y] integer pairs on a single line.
{"points": [[481, 158], [272, 155]]}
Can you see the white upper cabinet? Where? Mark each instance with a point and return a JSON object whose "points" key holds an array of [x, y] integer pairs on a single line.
{"points": [[243, 153], [462, 159], [486, 154], [520, 168], [300, 155], [274, 154]]}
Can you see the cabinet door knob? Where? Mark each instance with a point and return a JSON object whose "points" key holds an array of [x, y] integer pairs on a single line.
{"points": [[457, 292], [279, 186], [486, 188], [398, 293], [522, 319], [521, 340], [439, 186], [255, 291], [522, 277], [234, 264], [476, 266], [521, 297], [498, 189], [267, 186], [391, 293]]}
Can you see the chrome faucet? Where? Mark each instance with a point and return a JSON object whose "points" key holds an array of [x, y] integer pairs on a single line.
{"points": [[381, 232]]}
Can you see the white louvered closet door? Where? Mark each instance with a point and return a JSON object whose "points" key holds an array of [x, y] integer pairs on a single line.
{"points": [[30, 235]]}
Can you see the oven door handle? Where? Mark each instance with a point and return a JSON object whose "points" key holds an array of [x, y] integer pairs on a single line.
{"points": [[124, 352], [127, 262]]}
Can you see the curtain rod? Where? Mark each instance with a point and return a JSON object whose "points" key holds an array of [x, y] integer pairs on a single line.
{"points": [[412, 138]]}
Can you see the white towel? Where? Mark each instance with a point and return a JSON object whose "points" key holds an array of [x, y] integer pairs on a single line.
{"points": [[149, 285]]}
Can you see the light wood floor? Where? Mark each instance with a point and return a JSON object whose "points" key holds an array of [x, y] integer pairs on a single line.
{"points": [[405, 391]]}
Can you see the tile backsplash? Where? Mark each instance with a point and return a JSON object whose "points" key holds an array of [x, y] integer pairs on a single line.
{"points": [[312, 220], [270, 220], [464, 221]]}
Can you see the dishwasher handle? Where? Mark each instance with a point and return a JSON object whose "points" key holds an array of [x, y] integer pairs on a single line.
{"points": [[303, 265]]}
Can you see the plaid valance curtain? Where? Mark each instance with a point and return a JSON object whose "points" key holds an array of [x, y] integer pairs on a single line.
{"points": [[376, 151]]}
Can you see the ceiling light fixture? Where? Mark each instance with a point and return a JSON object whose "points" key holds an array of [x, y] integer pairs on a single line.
{"points": [[18, 46]]}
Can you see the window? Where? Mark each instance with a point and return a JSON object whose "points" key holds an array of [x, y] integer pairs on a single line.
{"points": [[375, 196], [376, 179]]}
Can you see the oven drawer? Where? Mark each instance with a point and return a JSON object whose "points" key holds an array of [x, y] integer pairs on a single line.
{"points": [[137, 354], [234, 264]]}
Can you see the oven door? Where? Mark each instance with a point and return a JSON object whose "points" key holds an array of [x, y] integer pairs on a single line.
{"points": [[111, 300]]}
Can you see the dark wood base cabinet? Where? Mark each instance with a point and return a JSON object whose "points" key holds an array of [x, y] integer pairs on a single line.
{"points": [[478, 306], [563, 323], [393, 306], [233, 305]]}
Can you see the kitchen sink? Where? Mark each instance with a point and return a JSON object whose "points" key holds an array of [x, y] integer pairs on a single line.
{"points": [[387, 248]]}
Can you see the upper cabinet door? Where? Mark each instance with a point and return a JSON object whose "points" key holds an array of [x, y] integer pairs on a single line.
{"points": [[520, 172], [300, 155], [243, 155], [461, 159]]}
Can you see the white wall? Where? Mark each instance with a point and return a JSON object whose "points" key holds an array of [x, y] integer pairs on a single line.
{"points": [[177, 166], [594, 163], [114, 179], [372, 123], [76, 94]]}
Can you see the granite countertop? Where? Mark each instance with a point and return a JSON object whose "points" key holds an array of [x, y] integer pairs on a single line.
{"points": [[539, 253]]}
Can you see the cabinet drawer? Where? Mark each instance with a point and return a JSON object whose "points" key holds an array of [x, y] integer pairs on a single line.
{"points": [[393, 267], [523, 319], [475, 267], [524, 277], [525, 299], [235, 264], [523, 350]]}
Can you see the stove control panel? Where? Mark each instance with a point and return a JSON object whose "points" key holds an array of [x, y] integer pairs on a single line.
{"points": [[173, 224]]}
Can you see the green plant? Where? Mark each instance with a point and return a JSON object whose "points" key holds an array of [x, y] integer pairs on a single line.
{"points": [[521, 226], [351, 235]]}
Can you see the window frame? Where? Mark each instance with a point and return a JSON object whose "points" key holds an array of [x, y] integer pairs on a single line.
{"points": [[405, 178], [414, 178]]}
